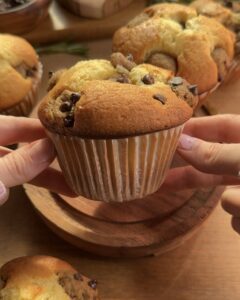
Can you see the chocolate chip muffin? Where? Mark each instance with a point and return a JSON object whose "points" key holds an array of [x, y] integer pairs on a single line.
{"points": [[175, 37], [225, 11], [44, 278], [20, 73], [116, 125]]}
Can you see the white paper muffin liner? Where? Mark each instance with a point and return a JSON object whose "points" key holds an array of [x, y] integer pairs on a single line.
{"points": [[116, 170], [25, 106], [233, 71]]}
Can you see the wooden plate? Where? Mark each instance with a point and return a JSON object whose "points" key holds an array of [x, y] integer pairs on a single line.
{"points": [[107, 234]]}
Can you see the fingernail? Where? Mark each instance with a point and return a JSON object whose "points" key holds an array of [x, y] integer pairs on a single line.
{"points": [[4, 192], [42, 151], [186, 142]]}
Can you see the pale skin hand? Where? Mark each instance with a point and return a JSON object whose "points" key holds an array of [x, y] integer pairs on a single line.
{"points": [[211, 146], [29, 163]]}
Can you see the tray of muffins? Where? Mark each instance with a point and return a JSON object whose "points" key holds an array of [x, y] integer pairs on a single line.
{"points": [[115, 123]]}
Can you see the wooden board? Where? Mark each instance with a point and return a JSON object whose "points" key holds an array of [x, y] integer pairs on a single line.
{"points": [[61, 25], [106, 236]]}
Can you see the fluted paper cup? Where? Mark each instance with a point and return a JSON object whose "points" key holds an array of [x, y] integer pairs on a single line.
{"points": [[233, 72], [116, 170], [202, 97], [25, 106]]}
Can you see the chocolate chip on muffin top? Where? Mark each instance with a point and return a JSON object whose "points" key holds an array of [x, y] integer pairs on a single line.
{"points": [[100, 99]]}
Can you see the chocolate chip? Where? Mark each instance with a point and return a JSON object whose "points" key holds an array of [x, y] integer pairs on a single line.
{"points": [[75, 97], [193, 89], [175, 81], [68, 121], [220, 77], [129, 57], [148, 79], [3, 282], [160, 98], [122, 79], [78, 276], [29, 73], [50, 74], [61, 281], [93, 284], [228, 3], [66, 106]]}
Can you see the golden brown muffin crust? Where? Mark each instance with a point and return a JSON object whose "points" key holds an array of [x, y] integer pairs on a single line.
{"points": [[145, 103], [176, 31], [43, 277], [226, 12], [18, 62]]}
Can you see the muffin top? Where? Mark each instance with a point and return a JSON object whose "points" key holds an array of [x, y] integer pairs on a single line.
{"points": [[173, 36], [225, 11], [103, 99], [43, 277], [18, 64]]}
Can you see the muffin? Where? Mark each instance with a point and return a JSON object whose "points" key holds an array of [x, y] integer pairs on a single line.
{"points": [[20, 73], [226, 11], [44, 278], [94, 9], [116, 125], [174, 37]]}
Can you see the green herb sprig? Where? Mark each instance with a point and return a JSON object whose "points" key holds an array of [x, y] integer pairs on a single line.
{"points": [[63, 47]]}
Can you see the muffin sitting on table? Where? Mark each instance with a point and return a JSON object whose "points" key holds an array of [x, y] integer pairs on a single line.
{"points": [[225, 11], [174, 37], [44, 278], [116, 125], [20, 75]]}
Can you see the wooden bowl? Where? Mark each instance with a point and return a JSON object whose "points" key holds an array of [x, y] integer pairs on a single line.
{"points": [[85, 9], [25, 17]]}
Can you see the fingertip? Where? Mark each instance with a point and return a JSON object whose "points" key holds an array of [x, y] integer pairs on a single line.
{"points": [[186, 142], [42, 151], [230, 201]]}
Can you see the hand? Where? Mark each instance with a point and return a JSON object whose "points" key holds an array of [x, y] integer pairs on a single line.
{"points": [[218, 156], [30, 162]]}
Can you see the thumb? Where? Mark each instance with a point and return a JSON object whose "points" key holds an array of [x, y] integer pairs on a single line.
{"points": [[27, 162], [208, 157]]}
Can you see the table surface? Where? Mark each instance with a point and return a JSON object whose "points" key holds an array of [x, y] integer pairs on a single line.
{"points": [[61, 25], [206, 267]]}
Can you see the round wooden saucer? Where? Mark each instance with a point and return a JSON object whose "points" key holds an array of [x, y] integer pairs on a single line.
{"points": [[152, 225]]}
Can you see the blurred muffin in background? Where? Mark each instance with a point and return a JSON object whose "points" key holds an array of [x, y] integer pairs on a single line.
{"points": [[175, 37], [225, 11], [20, 76], [44, 277]]}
